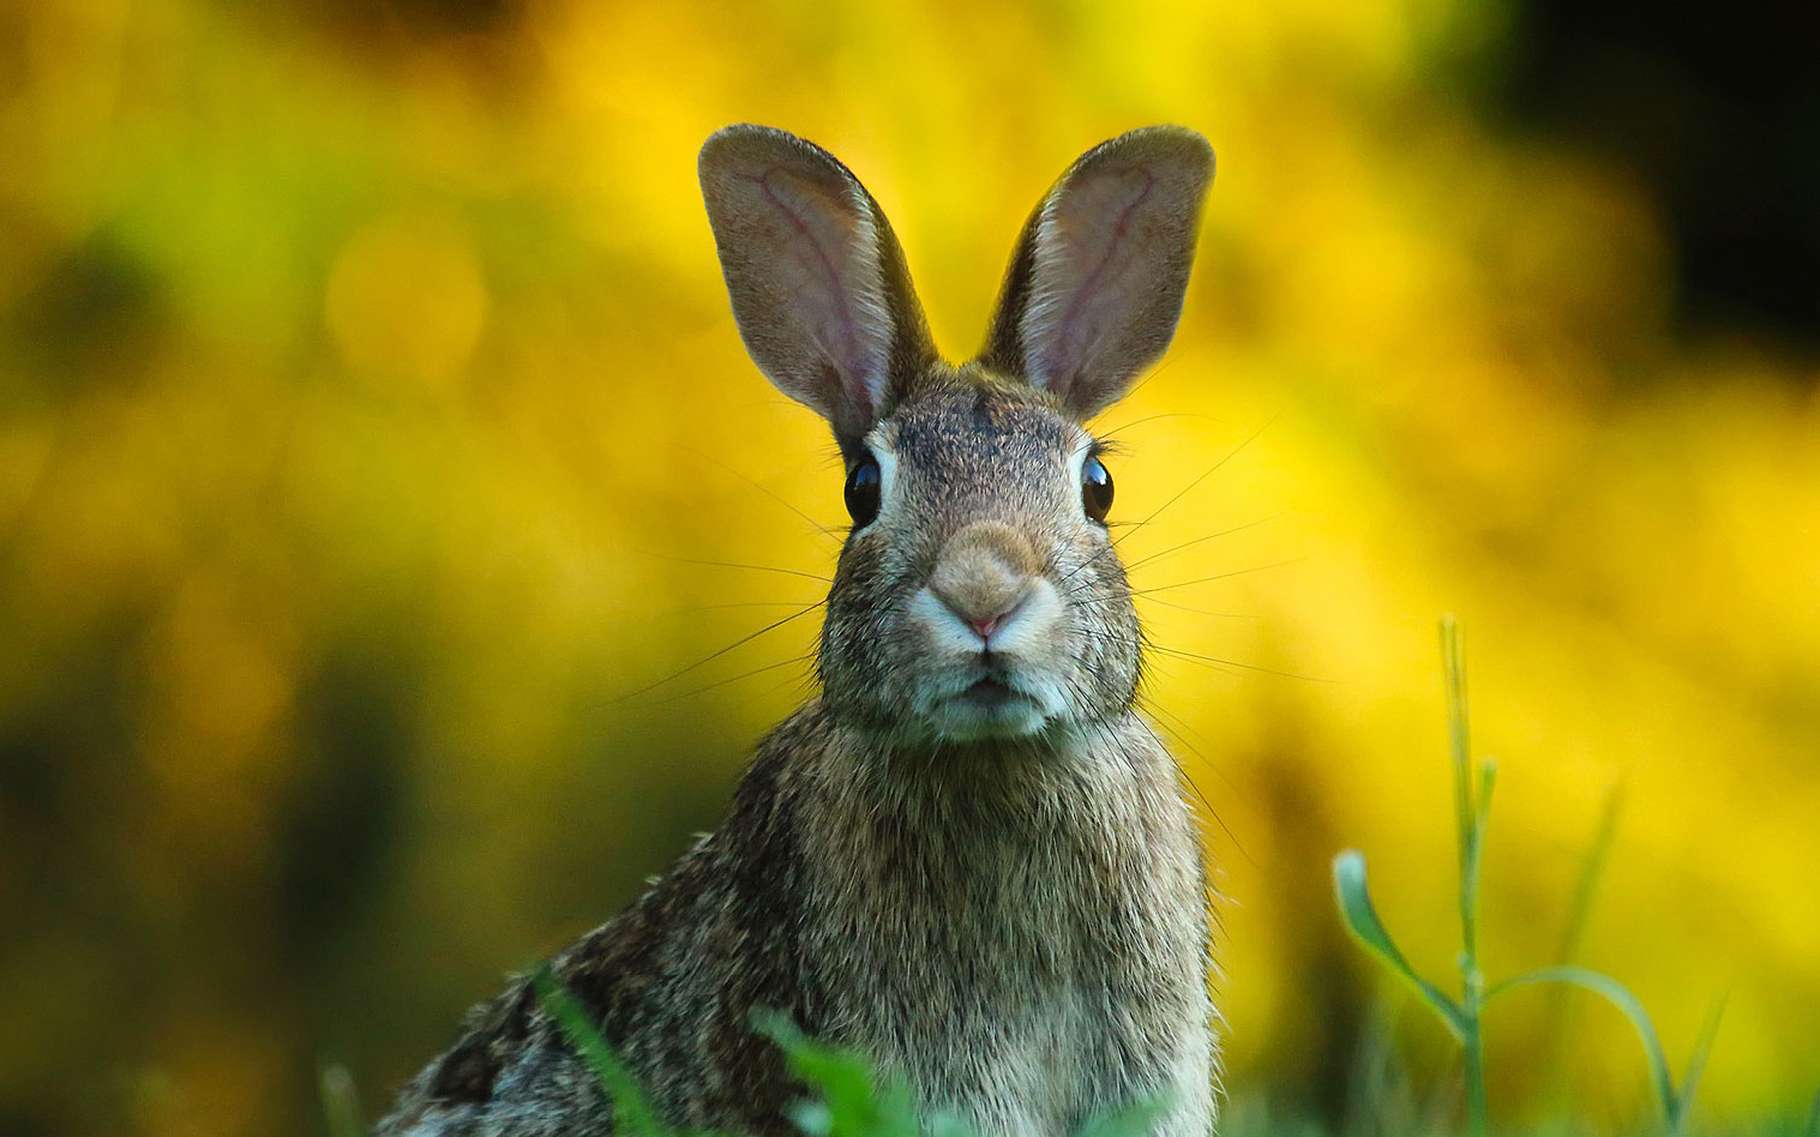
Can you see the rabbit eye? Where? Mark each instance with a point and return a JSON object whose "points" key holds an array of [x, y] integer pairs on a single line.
{"points": [[862, 491], [1096, 488]]}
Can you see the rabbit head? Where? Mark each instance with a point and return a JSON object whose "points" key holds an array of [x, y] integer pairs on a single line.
{"points": [[978, 594]]}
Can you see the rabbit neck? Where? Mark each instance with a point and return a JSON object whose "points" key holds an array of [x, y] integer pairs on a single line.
{"points": [[997, 777], [1105, 797], [1003, 904]]}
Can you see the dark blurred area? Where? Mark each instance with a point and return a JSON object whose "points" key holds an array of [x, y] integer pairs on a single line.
{"points": [[372, 429], [1716, 110]]}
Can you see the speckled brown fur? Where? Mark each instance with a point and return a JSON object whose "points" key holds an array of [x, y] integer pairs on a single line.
{"points": [[997, 897]]}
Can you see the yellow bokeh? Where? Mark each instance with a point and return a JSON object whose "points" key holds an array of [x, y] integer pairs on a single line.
{"points": [[405, 298], [371, 406]]}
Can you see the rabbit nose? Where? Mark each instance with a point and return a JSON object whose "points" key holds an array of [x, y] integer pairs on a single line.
{"points": [[986, 626], [983, 574]]}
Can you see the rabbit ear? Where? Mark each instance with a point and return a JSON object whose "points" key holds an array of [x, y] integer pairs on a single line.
{"points": [[818, 283], [1096, 282]]}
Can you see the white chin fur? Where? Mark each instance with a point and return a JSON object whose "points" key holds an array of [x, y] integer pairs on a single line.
{"points": [[1022, 659], [954, 722]]}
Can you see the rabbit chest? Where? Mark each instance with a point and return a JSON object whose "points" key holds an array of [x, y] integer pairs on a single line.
{"points": [[1027, 949]]}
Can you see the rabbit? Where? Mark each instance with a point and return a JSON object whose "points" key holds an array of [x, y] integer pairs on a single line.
{"points": [[968, 859]]}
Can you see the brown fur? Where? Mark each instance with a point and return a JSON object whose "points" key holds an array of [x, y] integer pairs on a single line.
{"points": [[997, 897]]}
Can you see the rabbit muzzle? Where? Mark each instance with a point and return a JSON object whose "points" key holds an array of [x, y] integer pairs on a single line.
{"points": [[991, 620]]}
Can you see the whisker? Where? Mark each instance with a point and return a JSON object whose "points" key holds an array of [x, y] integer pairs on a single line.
{"points": [[1182, 730], [1088, 563], [1219, 661], [740, 642], [1152, 418], [1199, 611], [1145, 643], [1205, 474], [1217, 576], [1144, 560], [693, 609], [805, 657], [741, 565], [1196, 786], [803, 684], [1148, 594], [768, 492], [1112, 546]]}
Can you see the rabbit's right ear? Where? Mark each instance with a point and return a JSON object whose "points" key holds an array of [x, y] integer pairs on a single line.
{"points": [[1097, 279], [818, 283]]}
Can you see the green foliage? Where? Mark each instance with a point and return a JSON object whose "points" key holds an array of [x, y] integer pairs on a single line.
{"points": [[631, 1112], [848, 1097], [853, 1101], [1473, 786]]}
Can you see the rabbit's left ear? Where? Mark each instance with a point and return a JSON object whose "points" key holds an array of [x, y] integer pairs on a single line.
{"points": [[818, 283], [1096, 283]]}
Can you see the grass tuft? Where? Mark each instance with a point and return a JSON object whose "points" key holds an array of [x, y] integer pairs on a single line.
{"points": [[1473, 785]]}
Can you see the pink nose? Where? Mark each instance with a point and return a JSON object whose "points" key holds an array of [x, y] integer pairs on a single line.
{"points": [[986, 626], [984, 572]]}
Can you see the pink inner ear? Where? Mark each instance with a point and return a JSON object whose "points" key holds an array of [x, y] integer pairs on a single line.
{"points": [[827, 270], [1084, 250]]}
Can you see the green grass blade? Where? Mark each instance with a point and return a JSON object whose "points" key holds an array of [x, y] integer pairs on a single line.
{"points": [[854, 1102], [1453, 674], [1696, 1066], [1472, 859], [1488, 781], [632, 1114], [340, 1103], [1620, 997], [1472, 807], [1361, 919], [1813, 1117]]}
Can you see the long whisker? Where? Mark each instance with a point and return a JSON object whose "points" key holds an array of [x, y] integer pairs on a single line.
{"points": [[1218, 663], [696, 608], [1145, 643], [1217, 576], [1205, 474], [1196, 786], [1183, 729], [1144, 560], [1221, 662], [1102, 551], [768, 492], [707, 659], [1199, 611], [804, 658], [1117, 430], [741, 565], [1148, 594], [802, 683]]}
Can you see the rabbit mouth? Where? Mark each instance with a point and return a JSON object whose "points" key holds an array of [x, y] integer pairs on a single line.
{"points": [[991, 693], [992, 705]]}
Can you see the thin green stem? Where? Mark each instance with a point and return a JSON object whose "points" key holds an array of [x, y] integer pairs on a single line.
{"points": [[1471, 810]]}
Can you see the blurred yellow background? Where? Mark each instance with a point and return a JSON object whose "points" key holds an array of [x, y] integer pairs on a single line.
{"points": [[370, 395]]}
